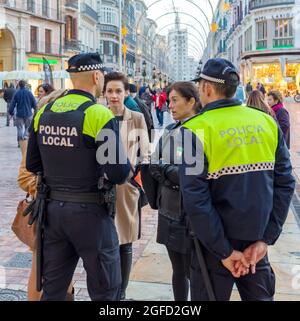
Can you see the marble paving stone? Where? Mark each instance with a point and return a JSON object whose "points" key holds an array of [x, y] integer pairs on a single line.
{"points": [[149, 291], [20, 260]]}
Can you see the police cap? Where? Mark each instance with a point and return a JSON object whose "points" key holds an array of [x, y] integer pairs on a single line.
{"points": [[85, 62], [219, 71]]}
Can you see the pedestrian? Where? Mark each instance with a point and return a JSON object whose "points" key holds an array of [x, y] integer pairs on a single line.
{"points": [[44, 90], [172, 230], [275, 101], [143, 108], [160, 99], [129, 102], [147, 98], [261, 88], [133, 131], [249, 88], [24, 102], [68, 144], [27, 182], [237, 190], [8, 96], [257, 100]]}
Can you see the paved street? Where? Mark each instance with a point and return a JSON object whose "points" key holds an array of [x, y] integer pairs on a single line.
{"points": [[151, 276]]}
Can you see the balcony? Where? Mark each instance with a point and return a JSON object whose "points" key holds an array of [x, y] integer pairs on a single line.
{"points": [[261, 44], [109, 29], [72, 44], [283, 43], [258, 4], [30, 8], [88, 11], [73, 4], [42, 47]]}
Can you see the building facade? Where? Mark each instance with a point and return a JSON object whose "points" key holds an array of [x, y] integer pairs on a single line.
{"points": [[88, 23], [262, 39], [109, 30], [178, 52], [30, 31]]}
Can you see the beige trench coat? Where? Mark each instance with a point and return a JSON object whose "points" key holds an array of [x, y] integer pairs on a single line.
{"points": [[127, 216]]}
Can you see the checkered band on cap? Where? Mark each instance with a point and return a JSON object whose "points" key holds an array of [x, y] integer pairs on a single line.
{"points": [[90, 67], [213, 79]]}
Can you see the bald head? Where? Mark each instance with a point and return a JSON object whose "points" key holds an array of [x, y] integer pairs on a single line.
{"points": [[90, 81]]}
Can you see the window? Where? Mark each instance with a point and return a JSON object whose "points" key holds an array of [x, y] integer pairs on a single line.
{"points": [[109, 16], [47, 41], [31, 6], [33, 39], [261, 35], [240, 46], [283, 33], [45, 8], [248, 39]]}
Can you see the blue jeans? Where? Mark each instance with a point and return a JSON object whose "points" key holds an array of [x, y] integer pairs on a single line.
{"points": [[22, 127], [160, 116]]}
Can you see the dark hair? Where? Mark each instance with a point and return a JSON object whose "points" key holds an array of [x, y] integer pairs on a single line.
{"points": [[47, 87], [187, 90], [276, 95], [116, 76], [226, 90], [22, 83]]}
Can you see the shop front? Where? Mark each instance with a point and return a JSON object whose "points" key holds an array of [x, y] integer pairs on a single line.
{"points": [[275, 73], [35, 63]]}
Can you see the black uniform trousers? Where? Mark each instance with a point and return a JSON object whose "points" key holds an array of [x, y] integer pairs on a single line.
{"points": [[252, 287], [85, 231]]}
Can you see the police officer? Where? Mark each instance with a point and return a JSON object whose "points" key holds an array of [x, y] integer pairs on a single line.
{"points": [[238, 202], [64, 140]]}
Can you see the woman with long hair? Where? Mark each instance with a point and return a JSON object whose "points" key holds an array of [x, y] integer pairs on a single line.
{"points": [[256, 99]]}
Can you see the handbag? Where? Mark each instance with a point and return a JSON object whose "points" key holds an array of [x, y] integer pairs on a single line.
{"points": [[143, 201], [25, 233]]}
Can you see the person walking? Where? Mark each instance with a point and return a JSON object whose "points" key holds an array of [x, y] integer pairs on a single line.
{"points": [[8, 95], [232, 149], [24, 102]]}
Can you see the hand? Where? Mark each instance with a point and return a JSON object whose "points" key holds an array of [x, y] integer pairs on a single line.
{"points": [[236, 258], [254, 253]]}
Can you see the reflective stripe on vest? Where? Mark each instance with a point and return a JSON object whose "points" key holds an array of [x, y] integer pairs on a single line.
{"points": [[236, 140]]}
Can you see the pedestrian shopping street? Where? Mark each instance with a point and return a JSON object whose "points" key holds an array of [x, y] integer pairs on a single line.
{"points": [[151, 274]]}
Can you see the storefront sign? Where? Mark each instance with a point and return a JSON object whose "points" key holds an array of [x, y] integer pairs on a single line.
{"points": [[288, 79], [41, 61]]}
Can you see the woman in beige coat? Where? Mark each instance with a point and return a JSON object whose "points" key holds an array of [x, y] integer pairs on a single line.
{"points": [[27, 182], [135, 140]]}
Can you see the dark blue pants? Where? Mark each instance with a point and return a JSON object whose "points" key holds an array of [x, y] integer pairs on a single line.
{"points": [[160, 116], [252, 287], [83, 231]]}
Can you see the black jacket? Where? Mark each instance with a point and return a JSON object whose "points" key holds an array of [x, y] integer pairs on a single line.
{"points": [[172, 230], [248, 206]]}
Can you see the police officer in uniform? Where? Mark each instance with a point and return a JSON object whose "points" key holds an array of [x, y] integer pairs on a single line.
{"points": [[65, 138], [239, 200]]}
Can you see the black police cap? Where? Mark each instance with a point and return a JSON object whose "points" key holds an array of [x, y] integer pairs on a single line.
{"points": [[219, 71], [85, 62]]}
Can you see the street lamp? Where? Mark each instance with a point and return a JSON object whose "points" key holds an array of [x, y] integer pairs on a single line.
{"points": [[144, 74], [154, 76]]}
